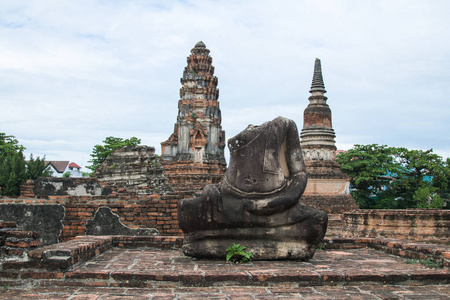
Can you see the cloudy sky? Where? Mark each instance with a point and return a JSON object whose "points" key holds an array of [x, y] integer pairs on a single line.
{"points": [[75, 72]]}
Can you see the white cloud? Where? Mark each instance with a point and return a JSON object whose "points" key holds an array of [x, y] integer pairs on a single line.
{"points": [[79, 71]]}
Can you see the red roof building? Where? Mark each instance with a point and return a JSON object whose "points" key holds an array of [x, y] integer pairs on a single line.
{"points": [[73, 165], [60, 167]]}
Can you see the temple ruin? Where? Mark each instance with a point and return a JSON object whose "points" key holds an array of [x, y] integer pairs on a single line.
{"points": [[328, 188], [193, 156], [118, 232], [135, 169]]}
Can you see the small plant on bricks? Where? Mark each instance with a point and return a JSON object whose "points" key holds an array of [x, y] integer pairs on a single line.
{"points": [[426, 262], [321, 247], [237, 254]]}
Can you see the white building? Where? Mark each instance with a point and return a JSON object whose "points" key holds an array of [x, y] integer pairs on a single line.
{"points": [[59, 168]]}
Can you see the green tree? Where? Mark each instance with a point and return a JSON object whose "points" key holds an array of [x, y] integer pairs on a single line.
{"points": [[37, 168], [9, 145], [421, 172], [368, 166], [101, 152], [388, 177], [86, 174], [426, 197], [444, 180], [14, 171]]}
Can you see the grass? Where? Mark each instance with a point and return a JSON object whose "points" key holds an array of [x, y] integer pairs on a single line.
{"points": [[426, 262]]}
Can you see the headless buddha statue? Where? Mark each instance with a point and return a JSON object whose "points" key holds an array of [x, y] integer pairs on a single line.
{"points": [[258, 203]]}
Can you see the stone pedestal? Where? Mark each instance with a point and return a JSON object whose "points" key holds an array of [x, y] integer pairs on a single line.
{"points": [[296, 241]]}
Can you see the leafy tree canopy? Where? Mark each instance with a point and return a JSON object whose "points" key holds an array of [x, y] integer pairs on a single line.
{"points": [[101, 152], [9, 145], [36, 167], [14, 170], [389, 177]]}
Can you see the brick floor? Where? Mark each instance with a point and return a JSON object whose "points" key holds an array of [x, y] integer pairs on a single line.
{"points": [[327, 267], [148, 273], [234, 292]]}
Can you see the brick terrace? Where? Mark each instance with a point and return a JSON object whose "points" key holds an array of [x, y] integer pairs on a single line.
{"points": [[150, 267], [126, 269]]}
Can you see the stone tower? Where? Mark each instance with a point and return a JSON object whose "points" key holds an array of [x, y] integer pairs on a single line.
{"points": [[328, 187], [317, 135], [193, 156]]}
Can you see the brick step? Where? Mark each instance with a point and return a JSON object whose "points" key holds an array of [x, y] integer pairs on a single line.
{"points": [[15, 243], [335, 225], [135, 265], [240, 276], [177, 271], [62, 256], [8, 224], [21, 243], [20, 234], [335, 217]]}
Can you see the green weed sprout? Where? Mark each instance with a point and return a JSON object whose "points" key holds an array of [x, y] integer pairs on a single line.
{"points": [[237, 254]]}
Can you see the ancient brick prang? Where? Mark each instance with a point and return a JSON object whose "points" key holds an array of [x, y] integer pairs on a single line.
{"points": [[197, 145], [328, 188]]}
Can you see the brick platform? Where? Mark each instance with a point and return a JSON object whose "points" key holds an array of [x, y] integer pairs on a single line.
{"points": [[155, 268]]}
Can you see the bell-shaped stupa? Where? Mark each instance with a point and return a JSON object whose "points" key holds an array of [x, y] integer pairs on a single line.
{"points": [[328, 188]]}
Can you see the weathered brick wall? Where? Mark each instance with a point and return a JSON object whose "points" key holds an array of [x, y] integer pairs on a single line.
{"points": [[331, 204], [160, 212], [328, 186], [134, 168], [15, 243], [328, 189], [146, 211], [188, 178], [426, 225], [47, 219], [54, 186]]}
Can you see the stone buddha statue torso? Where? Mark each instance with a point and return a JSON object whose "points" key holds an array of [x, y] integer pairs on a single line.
{"points": [[257, 180], [261, 190]]}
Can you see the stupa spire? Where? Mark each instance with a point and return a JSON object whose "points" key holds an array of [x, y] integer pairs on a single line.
{"points": [[317, 136], [327, 188], [317, 82]]}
